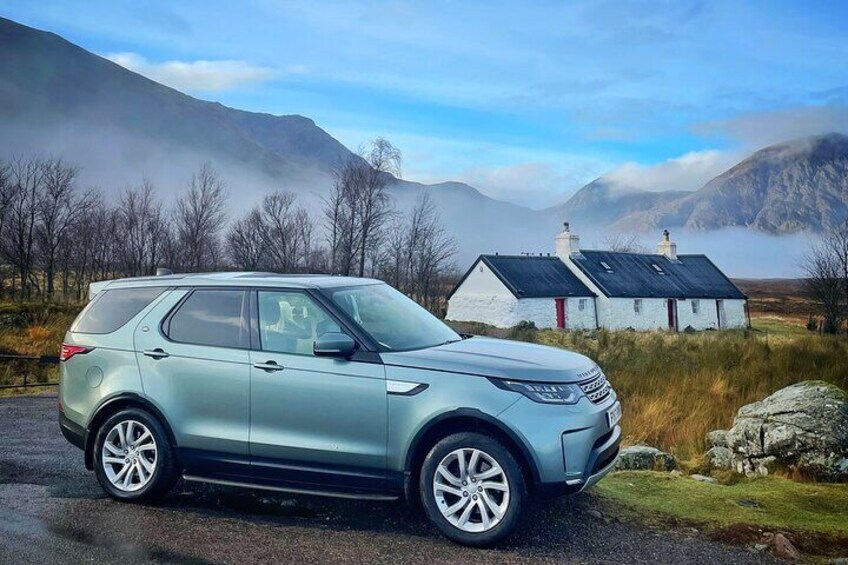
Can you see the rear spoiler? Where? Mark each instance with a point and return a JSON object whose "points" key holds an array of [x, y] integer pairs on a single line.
{"points": [[96, 287]]}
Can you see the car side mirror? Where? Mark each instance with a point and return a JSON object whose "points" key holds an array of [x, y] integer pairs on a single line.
{"points": [[334, 344]]}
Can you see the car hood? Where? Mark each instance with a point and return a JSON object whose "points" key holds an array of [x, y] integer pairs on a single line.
{"points": [[498, 358]]}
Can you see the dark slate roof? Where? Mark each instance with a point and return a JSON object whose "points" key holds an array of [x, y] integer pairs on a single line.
{"points": [[532, 276], [634, 276]]}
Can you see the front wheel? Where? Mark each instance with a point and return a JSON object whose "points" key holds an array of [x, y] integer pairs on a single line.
{"points": [[472, 489], [133, 458]]}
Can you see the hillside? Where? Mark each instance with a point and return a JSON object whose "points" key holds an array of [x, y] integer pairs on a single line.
{"points": [[57, 98], [800, 185]]}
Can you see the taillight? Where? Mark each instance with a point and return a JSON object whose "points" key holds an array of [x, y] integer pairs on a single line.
{"points": [[69, 351]]}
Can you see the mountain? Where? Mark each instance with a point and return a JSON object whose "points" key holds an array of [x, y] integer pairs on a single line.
{"points": [[603, 203], [57, 98], [800, 185]]}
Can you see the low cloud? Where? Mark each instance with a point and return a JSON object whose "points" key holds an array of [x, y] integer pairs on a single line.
{"points": [[758, 129], [687, 172], [534, 184], [200, 76]]}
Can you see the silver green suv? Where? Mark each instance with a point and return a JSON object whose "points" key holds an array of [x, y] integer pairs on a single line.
{"points": [[330, 386]]}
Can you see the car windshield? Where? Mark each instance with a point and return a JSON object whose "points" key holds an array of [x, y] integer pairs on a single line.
{"points": [[394, 321]]}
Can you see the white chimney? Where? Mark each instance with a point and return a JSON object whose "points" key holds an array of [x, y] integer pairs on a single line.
{"points": [[567, 243], [667, 247]]}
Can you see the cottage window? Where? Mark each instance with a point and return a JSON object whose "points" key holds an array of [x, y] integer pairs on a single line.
{"points": [[581, 304], [696, 306], [657, 268], [637, 305], [606, 266]]}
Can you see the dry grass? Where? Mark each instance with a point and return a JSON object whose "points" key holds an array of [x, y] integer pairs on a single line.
{"points": [[677, 387], [31, 329]]}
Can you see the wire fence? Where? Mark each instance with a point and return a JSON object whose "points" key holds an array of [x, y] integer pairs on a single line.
{"points": [[16, 370]]}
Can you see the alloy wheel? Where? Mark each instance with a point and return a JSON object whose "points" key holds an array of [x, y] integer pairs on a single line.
{"points": [[471, 490], [129, 456]]}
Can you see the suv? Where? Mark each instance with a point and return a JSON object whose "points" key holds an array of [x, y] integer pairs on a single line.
{"points": [[331, 386]]}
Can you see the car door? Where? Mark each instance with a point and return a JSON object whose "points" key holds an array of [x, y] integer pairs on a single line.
{"points": [[319, 421], [193, 354]]}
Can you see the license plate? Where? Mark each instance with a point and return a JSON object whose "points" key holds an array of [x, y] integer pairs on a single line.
{"points": [[614, 415]]}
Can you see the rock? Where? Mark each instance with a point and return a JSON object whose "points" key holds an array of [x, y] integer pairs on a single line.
{"points": [[784, 549], [717, 438], [676, 473], [719, 457], [801, 427], [703, 479], [644, 458], [597, 514], [761, 546]]}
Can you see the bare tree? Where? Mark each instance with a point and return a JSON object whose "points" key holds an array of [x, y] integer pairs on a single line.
{"points": [[358, 206], [141, 219], [823, 270], [837, 241], [27, 183], [58, 207], [198, 221], [6, 196], [623, 243], [244, 241]]}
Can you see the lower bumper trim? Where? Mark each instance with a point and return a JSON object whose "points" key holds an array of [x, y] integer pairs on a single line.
{"points": [[72, 431]]}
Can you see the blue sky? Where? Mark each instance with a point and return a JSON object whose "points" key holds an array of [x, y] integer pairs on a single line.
{"points": [[527, 101]]}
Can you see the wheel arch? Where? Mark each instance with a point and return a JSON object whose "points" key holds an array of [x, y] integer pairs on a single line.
{"points": [[464, 419], [112, 405]]}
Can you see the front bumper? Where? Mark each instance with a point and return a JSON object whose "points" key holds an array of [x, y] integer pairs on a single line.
{"points": [[573, 447]]}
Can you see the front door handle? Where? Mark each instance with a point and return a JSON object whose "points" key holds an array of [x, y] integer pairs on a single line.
{"points": [[269, 366], [157, 353]]}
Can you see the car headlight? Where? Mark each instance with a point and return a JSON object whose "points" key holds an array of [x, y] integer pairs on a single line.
{"points": [[545, 393]]}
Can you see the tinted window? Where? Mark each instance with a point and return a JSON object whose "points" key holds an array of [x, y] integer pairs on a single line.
{"points": [[394, 321], [289, 322], [111, 309], [210, 317]]}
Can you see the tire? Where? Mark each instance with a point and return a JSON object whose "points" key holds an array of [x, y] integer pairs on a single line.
{"points": [[442, 495], [152, 471]]}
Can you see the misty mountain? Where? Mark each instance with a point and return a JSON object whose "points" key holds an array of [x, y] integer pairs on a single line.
{"points": [[788, 187], [603, 203], [59, 99]]}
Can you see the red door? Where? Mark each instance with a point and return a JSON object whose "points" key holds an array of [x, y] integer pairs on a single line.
{"points": [[672, 314], [560, 311]]}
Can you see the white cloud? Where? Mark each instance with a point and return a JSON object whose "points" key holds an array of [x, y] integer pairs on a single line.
{"points": [[687, 172], [202, 76]]}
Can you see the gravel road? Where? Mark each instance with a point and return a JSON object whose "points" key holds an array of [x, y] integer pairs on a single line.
{"points": [[53, 511]]}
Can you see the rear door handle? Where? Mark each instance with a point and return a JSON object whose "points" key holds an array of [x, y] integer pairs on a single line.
{"points": [[269, 366], [157, 353]]}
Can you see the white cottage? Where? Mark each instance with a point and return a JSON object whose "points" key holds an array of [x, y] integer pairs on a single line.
{"points": [[580, 289]]}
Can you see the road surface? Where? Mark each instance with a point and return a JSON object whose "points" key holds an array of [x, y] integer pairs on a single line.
{"points": [[53, 511]]}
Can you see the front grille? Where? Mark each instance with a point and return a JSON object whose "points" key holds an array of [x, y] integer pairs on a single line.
{"points": [[596, 387]]}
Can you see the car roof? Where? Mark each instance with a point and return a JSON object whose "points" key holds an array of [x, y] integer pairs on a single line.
{"points": [[238, 279]]}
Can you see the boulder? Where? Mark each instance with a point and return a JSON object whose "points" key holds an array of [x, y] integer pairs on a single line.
{"points": [[703, 479], [720, 457], [802, 427], [644, 458], [784, 549]]}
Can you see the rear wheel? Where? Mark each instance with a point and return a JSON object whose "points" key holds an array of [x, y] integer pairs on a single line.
{"points": [[133, 458], [472, 488]]}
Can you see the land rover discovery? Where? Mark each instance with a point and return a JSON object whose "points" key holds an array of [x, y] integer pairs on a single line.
{"points": [[330, 386]]}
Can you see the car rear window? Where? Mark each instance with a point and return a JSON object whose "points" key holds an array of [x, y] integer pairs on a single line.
{"points": [[111, 309], [213, 317]]}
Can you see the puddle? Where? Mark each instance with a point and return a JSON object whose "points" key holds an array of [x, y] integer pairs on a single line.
{"points": [[127, 550]]}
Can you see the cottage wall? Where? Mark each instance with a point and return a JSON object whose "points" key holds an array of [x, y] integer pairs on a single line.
{"points": [[482, 297]]}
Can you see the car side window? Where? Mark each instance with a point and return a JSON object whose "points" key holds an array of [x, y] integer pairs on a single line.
{"points": [[214, 317], [289, 322]]}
